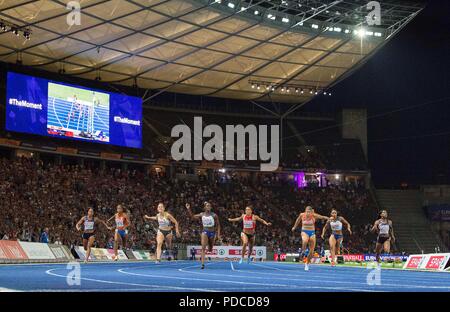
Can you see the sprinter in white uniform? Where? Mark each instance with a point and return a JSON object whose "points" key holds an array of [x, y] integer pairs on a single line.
{"points": [[383, 227], [89, 223], [164, 233], [210, 223], [335, 223]]}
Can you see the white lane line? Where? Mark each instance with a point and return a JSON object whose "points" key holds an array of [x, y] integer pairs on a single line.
{"points": [[278, 278], [49, 272], [319, 277], [387, 276], [3, 289], [289, 286]]}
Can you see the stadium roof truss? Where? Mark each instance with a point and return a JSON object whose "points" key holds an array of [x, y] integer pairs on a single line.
{"points": [[247, 49]]}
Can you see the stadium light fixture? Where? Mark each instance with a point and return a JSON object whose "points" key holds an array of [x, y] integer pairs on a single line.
{"points": [[314, 26], [337, 29], [285, 20], [256, 12], [26, 34], [347, 31], [231, 5], [360, 32], [378, 34]]}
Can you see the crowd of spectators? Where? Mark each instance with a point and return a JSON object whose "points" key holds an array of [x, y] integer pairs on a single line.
{"points": [[37, 198]]}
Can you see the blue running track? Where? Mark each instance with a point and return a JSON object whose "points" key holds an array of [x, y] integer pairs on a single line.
{"points": [[218, 276]]}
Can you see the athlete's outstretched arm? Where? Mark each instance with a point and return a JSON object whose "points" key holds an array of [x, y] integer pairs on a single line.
{"points": [[104, 223], [320, 217], [78, 225], [375, 226], [347, 224], [193, 216], [174, 221], [325, 228], [262, 221], [147, 217], [111, 218], [297, 221], [236, 219]]}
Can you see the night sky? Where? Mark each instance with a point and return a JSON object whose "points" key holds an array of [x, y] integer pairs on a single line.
{"points": [[410, 74]]}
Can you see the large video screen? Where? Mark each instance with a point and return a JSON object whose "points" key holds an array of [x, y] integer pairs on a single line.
{"points": [[40, 106]]}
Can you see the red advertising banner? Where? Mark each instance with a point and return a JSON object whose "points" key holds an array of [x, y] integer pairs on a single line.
{"points": [[434, 262], [11, 250], [357, 257], [414, 262]]}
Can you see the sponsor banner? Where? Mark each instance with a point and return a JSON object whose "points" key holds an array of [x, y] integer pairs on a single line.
{"points": [[432, 262], [110, 155], [372, 257], [4, 141], [316, 260], [130, 254], [414, 262], [109, 253], [353, 258], [228, 251], [12, 250], [60, 252], [38, 251], [67, 150], [279, 257], [143, 255], [100, 254], [439, 212]]}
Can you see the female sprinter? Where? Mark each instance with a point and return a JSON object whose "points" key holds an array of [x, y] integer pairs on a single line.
{"points": [[249, 230], [308, 220], [383, 226], [209, 221], [165, 221], [336, 237], [89, 222], [121, 233]]}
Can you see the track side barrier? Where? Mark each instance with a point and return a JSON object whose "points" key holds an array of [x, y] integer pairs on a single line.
{"points": [[428, 262]]}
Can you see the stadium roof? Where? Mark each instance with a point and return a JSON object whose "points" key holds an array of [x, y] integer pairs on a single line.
{"points": [[261, 50]]}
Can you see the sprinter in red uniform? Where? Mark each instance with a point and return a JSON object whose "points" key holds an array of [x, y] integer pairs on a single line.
{"points": [[122, 223], [249, 230], [308, 221]]}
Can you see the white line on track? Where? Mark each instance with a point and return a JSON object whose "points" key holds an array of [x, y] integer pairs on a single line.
{"points": [[3, 289], [50, 272], [276, 278]]}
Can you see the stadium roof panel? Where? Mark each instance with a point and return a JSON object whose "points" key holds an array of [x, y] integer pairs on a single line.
{"points": [[247, 49]]}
